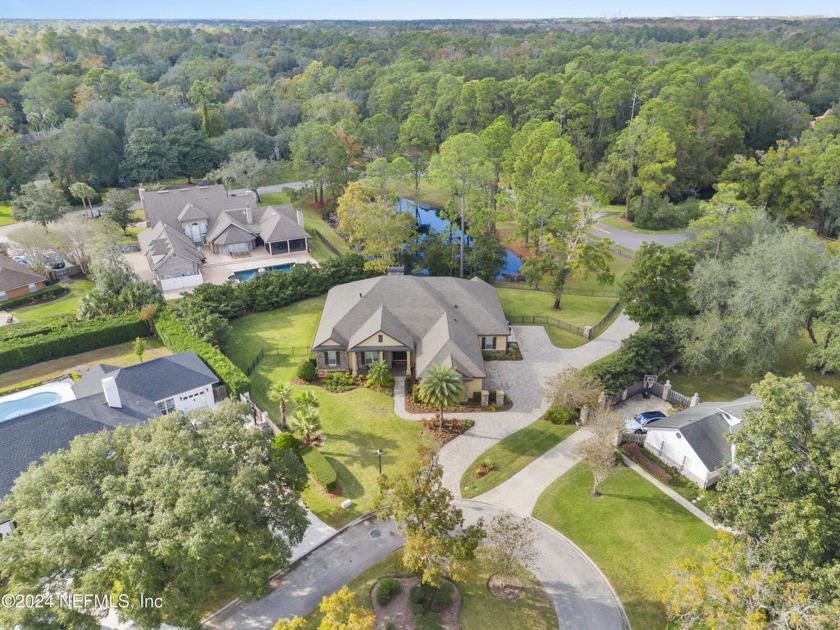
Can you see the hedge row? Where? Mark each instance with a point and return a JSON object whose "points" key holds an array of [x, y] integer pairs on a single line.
{"points": [[68, 339], [320, 469], [53, 291], [37, 327], [267, 291], [175, 337]]}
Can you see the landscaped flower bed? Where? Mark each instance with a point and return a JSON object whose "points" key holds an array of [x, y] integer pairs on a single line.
{"points": [[469, 406], [512, 354]]}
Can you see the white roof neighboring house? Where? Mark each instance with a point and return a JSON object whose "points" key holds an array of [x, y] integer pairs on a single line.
{"points": [[694, 440]]}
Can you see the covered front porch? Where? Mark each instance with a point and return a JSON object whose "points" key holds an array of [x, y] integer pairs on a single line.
{"points": [[399, 360]]}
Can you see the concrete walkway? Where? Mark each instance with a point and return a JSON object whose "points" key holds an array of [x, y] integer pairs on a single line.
{"points": [[520, 493]]}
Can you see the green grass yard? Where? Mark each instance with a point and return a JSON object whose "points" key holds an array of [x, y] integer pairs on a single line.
{"points": [[634, 533], [355, 423], [513, 454], [731, 384], [6, 215], [479, 608], [68, 303]]}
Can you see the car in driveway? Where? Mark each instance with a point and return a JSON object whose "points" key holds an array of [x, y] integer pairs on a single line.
{"points": [[639, 422]]}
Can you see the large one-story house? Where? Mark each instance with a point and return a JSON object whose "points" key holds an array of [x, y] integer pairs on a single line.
{"points": [[182, 222], [411, 323], [105, 398], [17, 281], [694, 440]]}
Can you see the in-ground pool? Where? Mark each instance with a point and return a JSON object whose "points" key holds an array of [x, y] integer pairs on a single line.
{"points": [[33, 402], [247, 274]]}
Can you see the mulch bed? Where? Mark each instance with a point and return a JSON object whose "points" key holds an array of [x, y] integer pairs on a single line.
{"points": [[513, 354], [415, 406], [451, 428], [400, 613], [509, 588]]}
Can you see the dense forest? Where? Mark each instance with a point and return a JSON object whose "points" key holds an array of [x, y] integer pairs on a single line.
{"points": [[651, 108]]}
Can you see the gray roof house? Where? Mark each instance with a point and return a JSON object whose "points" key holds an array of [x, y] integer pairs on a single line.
{"points": [[694, 440], [411, 323], [17, 280], [206, 216], [106, 397]]}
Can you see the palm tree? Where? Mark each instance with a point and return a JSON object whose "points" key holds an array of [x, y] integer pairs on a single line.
{"points": [[307, 421], [307, 399], [441, 386], [85, 193], [281, 393], [379, 375]]}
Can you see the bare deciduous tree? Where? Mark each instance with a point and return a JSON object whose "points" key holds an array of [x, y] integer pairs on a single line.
{"points": [[598, 449]]}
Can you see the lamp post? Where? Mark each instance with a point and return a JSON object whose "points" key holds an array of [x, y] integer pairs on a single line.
{"points": [[379, 453]]}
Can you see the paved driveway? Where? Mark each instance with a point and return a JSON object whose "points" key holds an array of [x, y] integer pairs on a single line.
{"points": [[634, 240]]}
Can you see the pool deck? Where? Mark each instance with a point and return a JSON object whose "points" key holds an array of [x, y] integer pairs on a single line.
{"points": [[219, 272]]}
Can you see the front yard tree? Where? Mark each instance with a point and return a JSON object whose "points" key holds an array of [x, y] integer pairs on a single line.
{"points": [[513, 542], [118, 208], [341, 612], [441, 386], [437, 543], [247, 170], [782, 494], [656, 287], [575, 389], [306, 420], [462, 166], [39, 203], [598, 449], [84, 193], [180, 508]]}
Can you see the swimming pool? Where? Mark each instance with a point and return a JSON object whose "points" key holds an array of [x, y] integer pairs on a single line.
{"points": [[33, 402], [247, 274]]}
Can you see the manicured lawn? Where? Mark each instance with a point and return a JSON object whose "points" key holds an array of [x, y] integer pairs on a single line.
{"points": [[6, 215], [479, 608], [68, 303], [513, 454], [732, 384], [634, 533], [619, 223], [312, 220], [120, 355], [355, 423]]}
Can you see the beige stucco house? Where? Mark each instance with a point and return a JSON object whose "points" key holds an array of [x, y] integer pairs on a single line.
{"points": [[411, 323]]}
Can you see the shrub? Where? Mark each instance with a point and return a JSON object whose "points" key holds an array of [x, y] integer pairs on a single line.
{"points": [[432, 598], [287, 441], [635, 453], [428, 621], [64, 336], [379, 375], [337, 382], [642, 353], [320, 469], [306, 371], [50, 292], [561, 415], [386, 591], [175, 337]]}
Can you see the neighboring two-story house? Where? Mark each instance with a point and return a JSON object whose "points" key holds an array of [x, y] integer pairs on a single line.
{"points": [[183, 222], [411, 323]]}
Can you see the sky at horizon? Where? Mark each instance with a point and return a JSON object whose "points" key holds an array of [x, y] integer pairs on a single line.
{"points": [[390, 10]]}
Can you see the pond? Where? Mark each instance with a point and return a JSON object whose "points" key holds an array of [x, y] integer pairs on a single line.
{"points": [[429, 217]]}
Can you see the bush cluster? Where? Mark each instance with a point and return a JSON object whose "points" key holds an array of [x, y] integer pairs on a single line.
{"points": [[386, 591], [661, 214], [432, 598], [54, 291], [642, 353], [338, 382], [27, 344], [320, 469], [561, 415], [175, 337], [287, 441]]}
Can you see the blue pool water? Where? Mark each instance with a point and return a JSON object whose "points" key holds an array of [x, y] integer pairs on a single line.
{"points": [[429, 217], [14, 408], [250, 273]]}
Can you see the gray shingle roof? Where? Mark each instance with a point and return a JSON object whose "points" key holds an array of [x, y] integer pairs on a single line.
{"points": [[14, 276], [166, 205], [443, 316], [27, 438], [277, 225], [163, 240], [191, 213]]}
